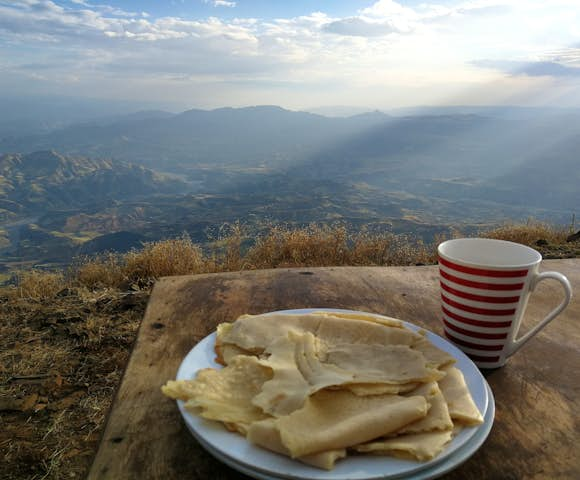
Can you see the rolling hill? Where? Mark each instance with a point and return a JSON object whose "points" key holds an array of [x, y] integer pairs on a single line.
{"points": [[31, 184]]}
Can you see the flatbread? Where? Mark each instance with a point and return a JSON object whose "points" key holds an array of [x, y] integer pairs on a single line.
{"points": [[224, 395], [436, 357], [363, 389], [340, 419], [437, 418], [254, 333], [314, 386], [367, 317], [461, 406], [265, 434], [414, 446], [288, 389], [394, 364], [302, 366]]}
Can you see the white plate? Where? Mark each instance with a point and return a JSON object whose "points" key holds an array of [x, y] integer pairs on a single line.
{"points": [[237, 450], [435, 471]]}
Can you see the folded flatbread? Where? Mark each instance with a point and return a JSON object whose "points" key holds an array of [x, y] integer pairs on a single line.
{"points": [[459, 401], [413, 446], [253, 333], [266, 434], [225, 395], [340, 419], [302, 365]]}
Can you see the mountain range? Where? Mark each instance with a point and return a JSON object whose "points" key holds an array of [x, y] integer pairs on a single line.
{"points": [[153, 174]]}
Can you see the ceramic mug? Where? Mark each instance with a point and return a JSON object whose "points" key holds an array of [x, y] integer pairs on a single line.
{"points": [[485, 287]]}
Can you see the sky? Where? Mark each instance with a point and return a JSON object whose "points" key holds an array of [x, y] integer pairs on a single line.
{"points": [[297, 54]]}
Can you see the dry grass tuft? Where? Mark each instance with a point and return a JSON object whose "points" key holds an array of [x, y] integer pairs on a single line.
{"points": [[529, 233], [311, 246], [38, 285], [103, 271], [316, 246], [305, 247], [159, 259]]}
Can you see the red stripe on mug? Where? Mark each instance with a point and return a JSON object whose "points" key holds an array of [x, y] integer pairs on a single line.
{"points": [[476, 323], [484, 286], [482, 359], [479, 298], [479, 311], [470, 333], [475, 346], [483, 272]]}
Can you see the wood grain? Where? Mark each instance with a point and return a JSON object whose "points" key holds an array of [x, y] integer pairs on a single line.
{"points": [[537, 425]]}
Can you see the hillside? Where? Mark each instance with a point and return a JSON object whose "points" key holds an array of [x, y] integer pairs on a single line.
{"points": [[49, 185], [31, 184]]}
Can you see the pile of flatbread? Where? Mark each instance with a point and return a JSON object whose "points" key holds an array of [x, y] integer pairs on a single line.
{"points": [[322, 385]]}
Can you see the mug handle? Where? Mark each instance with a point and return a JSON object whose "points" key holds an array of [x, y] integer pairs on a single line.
{"points": [[519, 343]]}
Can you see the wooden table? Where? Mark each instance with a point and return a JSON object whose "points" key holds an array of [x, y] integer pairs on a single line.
{"points": [[536, 434]]}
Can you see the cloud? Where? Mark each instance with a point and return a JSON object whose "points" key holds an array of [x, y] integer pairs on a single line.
{"points": [[223, 3], [384, 17], [107, 9], [530, 69], [384, 46], [569, 56], [357, 26]]}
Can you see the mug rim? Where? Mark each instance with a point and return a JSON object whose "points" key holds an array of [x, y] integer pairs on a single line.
{"points": [[529, 250]]}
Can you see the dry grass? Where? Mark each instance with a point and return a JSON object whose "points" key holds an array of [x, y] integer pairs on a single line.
{"points": [[317, 246], [60, 361], [38, 285], [312, 246], [99, 272], [170, 257], [529, 233]]}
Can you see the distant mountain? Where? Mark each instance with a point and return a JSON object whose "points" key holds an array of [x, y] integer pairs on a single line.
{"points": [[421, 153], [44, 180], [31, 114], [250, 136], [339, 111]]}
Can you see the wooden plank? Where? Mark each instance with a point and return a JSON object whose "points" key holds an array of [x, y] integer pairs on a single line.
{"points": [[537, 393]]}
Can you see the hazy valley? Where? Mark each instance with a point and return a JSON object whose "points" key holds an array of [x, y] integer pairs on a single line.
{"points": [[112, 183]]}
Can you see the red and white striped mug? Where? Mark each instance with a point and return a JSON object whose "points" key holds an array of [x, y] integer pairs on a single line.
{"points": [[485, 287]]}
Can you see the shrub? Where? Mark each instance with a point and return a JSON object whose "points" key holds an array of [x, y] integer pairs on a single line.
{"points": [[528, 233], [164, 258], [39, 285], [103, 271], [310, 246]]}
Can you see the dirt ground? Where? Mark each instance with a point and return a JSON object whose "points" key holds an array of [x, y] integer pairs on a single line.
{"points": [[60, 363]]}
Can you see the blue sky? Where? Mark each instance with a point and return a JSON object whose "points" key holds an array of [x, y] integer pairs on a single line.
{"points": [[265, 9], [297, 54]]}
